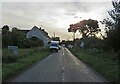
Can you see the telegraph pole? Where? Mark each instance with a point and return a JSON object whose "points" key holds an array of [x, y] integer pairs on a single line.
{"points": [[54, 34], [73, 36]]}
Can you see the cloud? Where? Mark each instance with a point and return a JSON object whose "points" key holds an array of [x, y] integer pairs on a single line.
{"points": [[52, 15], [55, 0]]}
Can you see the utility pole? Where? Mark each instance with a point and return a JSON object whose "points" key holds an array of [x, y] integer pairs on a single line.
{"points": [[73, 36], [54, 34]]}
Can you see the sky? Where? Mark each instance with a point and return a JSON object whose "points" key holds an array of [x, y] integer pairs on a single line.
{"points": [[52, 16]]}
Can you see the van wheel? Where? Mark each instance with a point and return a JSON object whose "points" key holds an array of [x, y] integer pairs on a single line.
{"points": [[56, 50]]}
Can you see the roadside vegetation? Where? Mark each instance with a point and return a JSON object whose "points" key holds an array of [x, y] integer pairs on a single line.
{"points": [[101, 51], [105, 62], [18, 38], [30, 50], [13, 65]]}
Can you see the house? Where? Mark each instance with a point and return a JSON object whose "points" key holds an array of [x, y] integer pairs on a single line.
{"points": [[39, 33]]}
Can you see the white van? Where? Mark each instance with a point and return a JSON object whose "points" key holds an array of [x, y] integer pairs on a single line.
{"points": [[54, 46]]}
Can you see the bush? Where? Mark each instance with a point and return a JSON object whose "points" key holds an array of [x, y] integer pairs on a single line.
{"points": [[9, 59], [101, 61], [18, 38], [113, 39], [8, 56], [90, 42]]}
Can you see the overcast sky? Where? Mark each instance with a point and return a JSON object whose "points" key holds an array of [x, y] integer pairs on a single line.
{"points": [[52, 16]]}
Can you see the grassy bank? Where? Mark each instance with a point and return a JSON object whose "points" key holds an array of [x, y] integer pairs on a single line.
{"points": [[101, 61], [26, 58]]}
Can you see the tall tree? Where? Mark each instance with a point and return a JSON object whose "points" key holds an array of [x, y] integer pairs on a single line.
{"points": [[6, 36], [115, 12], [5, 29], [72, 29], [89, 27], [86, 27], [113, 25]]}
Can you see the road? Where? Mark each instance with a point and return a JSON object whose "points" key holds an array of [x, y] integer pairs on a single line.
{"points": [[59, 67]]}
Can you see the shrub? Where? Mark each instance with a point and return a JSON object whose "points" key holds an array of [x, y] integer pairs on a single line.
{"points": [[9, 59], [90, 42]]}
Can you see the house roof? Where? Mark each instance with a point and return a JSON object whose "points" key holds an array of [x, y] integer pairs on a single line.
{"points": [[24, 31]]}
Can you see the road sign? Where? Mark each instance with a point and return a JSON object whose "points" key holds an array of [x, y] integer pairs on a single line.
{"points": [[14, 49]]}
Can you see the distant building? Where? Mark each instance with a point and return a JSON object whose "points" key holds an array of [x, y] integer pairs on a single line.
{"points": [[39, 33]]}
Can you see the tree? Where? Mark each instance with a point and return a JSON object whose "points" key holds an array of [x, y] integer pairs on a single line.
{"points": [[73, 29], [18, 38], [113, 26], [6, 36], [86, 27], [14, 29], [5, 29], [115, 12], [89, 27], [33, 42], [114, 21]]}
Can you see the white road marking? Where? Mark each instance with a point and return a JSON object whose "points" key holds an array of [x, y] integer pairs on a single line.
{"points": [[50, 55], [63, 53], [63, 68], [63, 76], [77, 64], [91, 77], [81, 70]]}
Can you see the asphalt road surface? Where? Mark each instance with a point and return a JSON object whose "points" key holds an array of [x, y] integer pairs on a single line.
{"points": [[60, 67]]}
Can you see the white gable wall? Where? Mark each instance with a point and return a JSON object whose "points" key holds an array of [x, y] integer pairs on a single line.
{"points": [[39, 34]]}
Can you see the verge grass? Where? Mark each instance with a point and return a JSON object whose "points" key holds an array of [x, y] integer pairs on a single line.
{"points": [[101, 61], [26, 58]]}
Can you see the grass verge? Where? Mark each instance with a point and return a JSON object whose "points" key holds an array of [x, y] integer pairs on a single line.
{"points": [[103, 62], [33, 55]]}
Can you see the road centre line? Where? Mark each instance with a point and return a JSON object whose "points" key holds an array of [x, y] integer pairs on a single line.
{"points": [[63, 53], [77, 64], [63, 68], [63, 76]]}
